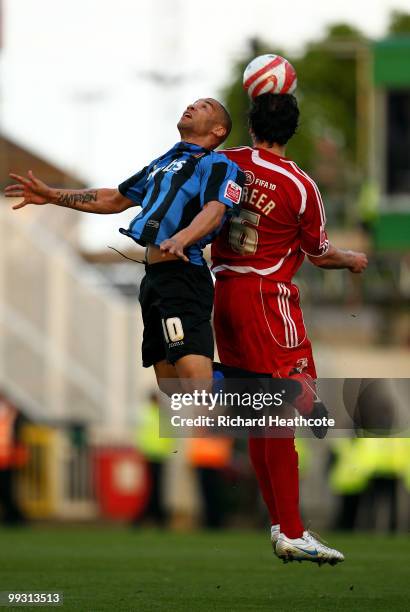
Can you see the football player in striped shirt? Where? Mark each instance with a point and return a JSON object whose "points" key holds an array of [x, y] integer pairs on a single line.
{"points": [[185, 195], [257, 318]]}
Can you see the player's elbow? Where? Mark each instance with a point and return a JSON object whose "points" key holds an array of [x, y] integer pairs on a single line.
{"points": [[217, 211], [116, 202], [319, 262], [219, 217], [323, 261]]}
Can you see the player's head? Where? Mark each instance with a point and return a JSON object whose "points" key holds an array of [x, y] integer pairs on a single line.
{"points": [[206, 121], [273, 118]]}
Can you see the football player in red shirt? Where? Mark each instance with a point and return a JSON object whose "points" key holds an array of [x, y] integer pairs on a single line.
{"points": [[258, 320]]}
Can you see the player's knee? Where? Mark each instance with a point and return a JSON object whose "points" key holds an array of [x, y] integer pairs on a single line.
{"points": [[167, 378], [194, 367], [165, 387]]}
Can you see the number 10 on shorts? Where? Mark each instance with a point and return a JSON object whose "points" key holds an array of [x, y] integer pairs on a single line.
{"points": [[173, 330]]}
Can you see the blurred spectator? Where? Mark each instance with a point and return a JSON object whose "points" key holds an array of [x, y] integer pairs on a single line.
{"points": [[366, 474], [13, 455], [209, 457], [156, 451], [368, 205]]}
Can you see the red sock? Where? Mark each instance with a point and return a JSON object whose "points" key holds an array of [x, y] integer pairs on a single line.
{"points": [[282, 461], [257, 454]]}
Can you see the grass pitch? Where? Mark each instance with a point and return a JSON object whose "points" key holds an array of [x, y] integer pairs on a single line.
{"points": [[147, 571]]}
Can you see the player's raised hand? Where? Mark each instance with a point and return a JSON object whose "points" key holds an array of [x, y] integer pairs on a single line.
{"points": [[30, 188], [360, 262], [174, 247]]}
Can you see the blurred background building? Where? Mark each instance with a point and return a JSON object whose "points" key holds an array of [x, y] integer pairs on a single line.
{"points": [[70, 326]]}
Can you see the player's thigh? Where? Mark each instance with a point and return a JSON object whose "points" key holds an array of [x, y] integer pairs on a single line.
{"points": [[164, 369], [195, 372], [240, 332], [299, 358], [282, 320], [259, 326], [167, 377], [185, 308], [153, 345]]}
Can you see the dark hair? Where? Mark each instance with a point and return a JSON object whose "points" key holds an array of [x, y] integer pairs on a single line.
{"points": [[273, 118], [226, 120]]}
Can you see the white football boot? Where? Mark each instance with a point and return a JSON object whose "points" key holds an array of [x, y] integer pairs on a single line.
{"points": [[306, 548], [274, 535]]}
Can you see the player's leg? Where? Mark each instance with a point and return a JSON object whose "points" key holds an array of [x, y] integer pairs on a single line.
{"points": [[246, 338], [166, 376], [281, 319], [194, 366], [293, 356], [188, 368], [293, 542], [153, 346], [187, 328], [241, 341], [242, 344], [164, 369], [257, 455], [195, 372], [181, 301], [255, 329], [281, 460]]}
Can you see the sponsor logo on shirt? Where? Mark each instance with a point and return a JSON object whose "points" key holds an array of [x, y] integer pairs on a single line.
{"points": [[175, 166], [250, 177], [265, 184], [153, 223], [233, 192], [153, 172], [302, 363]]}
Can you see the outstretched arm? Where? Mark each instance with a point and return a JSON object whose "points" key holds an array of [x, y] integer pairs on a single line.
{"points": [[338, 259], [35, 191]]}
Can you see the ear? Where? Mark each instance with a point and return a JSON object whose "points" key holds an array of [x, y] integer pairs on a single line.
{"points": [[219, 131]]}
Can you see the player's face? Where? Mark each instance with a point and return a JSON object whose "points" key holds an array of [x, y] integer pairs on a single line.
{"points": [[200, 117]]}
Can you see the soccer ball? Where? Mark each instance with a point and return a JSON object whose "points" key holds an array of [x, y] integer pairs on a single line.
{"points": [[269, 74]]}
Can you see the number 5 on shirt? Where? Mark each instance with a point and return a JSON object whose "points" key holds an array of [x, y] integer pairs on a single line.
{"points": [[243, 236]]}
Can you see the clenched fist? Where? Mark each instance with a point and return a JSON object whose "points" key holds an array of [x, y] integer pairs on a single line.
{"points": [[359, 263]]}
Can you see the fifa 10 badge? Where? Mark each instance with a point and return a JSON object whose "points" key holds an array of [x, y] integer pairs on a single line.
{"points": [[233, 192]]}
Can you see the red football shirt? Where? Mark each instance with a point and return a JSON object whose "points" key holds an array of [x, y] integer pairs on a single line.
{"points": [[282, 218]]}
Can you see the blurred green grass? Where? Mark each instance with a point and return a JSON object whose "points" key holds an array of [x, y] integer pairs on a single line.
{"points": [[123, 569]]}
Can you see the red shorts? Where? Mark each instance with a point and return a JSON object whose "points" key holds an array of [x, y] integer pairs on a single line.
{"points": [[259, 325]]}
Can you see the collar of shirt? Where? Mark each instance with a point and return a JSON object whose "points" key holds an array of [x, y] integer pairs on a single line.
{"points": [[189, 146]]}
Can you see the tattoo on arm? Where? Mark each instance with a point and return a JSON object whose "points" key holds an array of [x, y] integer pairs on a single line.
{"points": [[77, 200]]}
